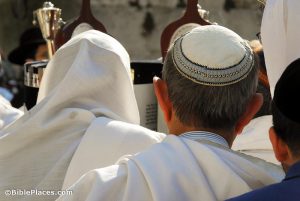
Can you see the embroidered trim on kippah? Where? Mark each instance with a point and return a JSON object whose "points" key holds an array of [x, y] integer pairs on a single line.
{"points": [[212, 76]]}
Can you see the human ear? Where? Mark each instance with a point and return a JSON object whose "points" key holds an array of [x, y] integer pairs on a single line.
{"points": [[161, 92]]}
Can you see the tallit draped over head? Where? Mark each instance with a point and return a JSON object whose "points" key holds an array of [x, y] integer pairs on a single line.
{"points": [[93, 72], [88, 77], [280, 36]]}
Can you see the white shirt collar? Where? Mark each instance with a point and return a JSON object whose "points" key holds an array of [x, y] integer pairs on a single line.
{"points": [[204, 135]]}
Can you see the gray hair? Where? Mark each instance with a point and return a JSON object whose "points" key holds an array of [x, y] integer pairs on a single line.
{"points": [[213, 107]]}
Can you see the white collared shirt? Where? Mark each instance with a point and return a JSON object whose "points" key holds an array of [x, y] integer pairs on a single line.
{"points": [[205, 135]]}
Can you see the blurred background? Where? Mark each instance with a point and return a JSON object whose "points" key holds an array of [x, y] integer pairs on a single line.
{"points": [[137, 24]]}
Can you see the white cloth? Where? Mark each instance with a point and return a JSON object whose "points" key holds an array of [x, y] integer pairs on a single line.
{"points": [[116, 139], [8, 114], [88, 77], [280, 36], [254, 140], [176, 169]]}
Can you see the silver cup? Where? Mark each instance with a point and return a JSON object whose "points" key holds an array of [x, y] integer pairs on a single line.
{"points": [[49, 19]]}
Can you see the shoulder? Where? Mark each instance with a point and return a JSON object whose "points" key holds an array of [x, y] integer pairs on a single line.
{"points": [[276, 192], [122, 129]]}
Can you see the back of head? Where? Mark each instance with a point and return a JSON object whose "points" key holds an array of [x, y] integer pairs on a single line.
{"points": [[285, 107], [211, 74]]}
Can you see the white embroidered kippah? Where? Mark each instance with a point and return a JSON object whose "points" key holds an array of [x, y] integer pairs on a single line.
{"points": [[213, 55]]}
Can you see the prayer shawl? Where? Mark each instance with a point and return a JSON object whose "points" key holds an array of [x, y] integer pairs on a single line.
{"points": [[254, 140], [280, 36], [88, 77], [176, 169], [8, 114], [100, 150]]}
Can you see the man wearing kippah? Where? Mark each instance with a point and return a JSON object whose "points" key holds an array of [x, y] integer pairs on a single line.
{"points": [[285, 138], [207, 95]]}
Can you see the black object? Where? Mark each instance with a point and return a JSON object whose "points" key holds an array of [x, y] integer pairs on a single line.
{"points": [[181, 4], [30, 96], [148, 24], [33, 72], [229, 5], [286, 99], [285, 107], [29, 41], [145, 70]]}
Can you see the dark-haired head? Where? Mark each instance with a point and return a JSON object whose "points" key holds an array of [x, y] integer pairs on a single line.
{"points": [[286, 108]]}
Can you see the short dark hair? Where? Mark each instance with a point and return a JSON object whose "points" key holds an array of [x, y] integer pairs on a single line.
{"points": [[285, 107], [214, 107], [287, 130]]}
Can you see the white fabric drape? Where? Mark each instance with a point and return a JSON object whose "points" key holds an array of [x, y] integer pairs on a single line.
{"points": [[8, 114], [100, 150], [176, 169], [280, 36], [88, 77], [254, 140]]}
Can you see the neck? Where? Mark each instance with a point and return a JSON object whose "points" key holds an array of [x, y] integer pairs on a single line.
{"points": [[179, 128], [288, 163]]}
